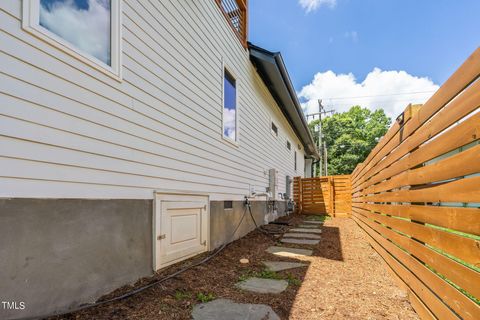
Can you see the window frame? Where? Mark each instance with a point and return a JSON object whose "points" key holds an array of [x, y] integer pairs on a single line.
{"points": [[226, 68], [31, 24], [295, 161], [274, 133]]}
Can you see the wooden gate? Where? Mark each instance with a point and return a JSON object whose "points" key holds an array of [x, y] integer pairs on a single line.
{"points": [[323, 195]]}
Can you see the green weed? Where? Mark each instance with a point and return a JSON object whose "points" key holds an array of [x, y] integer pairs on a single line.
{"points": [[202, 297]]}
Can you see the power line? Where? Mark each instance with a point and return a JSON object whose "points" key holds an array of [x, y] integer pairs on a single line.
{"points": [[381, 95]]}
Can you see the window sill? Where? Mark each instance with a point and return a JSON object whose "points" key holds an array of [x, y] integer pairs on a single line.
{"points": [[229, 142]]}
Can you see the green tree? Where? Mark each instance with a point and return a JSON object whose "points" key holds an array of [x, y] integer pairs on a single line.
{"points": [[350, 136]]}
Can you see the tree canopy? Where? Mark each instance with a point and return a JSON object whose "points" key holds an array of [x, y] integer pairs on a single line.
{"points": [[350, 136]]}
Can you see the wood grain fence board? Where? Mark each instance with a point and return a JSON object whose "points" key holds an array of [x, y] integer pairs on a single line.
{"points": [[325, 195], [436, 305], [456, 218], [453, 298], [458, 165], [467, 102], [463, 190], [459, 274], [466, 132], [464, 248]]}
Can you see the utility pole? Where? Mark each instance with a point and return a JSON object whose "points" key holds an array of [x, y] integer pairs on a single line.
{"points": [[325, 157], [323, 153]]}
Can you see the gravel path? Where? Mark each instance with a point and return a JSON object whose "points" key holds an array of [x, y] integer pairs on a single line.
{"points": [[348, 280]]}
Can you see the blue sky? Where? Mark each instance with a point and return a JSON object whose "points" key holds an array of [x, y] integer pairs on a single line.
{"points": [[424, 38]]}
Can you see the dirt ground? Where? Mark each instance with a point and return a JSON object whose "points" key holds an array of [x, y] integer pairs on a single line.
{"points": [[345, 279]]}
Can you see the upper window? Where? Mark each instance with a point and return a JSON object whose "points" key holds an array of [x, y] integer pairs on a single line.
{"points": [[289, 146], [229, 106], [274, 129], [86, 29]]}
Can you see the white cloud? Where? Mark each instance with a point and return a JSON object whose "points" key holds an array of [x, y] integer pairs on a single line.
{"points": [[87, 29], [312, 5], [229, 123], [389, 90]]}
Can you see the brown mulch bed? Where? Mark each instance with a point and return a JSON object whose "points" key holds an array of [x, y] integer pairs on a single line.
{"points": [[346, 279]]}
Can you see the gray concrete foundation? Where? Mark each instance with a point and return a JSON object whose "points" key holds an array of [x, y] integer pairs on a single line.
{"points": [[56, 254], [223, 221]]}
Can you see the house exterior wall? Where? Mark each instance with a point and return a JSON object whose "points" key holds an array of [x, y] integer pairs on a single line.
{"points": [[70, 131], [75, 143]]}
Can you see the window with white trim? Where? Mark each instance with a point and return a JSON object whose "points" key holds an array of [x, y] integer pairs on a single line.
{"points": [[230, 115], [89, 30]]}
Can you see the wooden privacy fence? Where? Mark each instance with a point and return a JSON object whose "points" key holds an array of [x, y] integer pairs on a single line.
{"points": [[323, 195], [417, 196]]}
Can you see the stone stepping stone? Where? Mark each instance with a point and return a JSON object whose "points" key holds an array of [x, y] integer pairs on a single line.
{"points": [[302, 235], [305, 230], [282, 265], [289, 252], [260, 285], [227, 309], [299, 241], [309, 226], [312, 221]]}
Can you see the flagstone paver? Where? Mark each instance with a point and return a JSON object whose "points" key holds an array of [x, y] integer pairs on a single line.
{"points": [[282, 265], [310, 226], [261, 285], [227, 309], [305, 230], [289, 252], [302, 235], [300, 241]]}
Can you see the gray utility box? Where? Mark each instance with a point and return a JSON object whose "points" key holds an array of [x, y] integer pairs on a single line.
{"points": [[273, 183]]}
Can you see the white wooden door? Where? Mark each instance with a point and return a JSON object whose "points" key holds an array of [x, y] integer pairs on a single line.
{"points": [[181, 229]]}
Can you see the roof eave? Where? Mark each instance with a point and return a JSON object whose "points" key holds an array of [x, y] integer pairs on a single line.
{"points": [[272, 70]]}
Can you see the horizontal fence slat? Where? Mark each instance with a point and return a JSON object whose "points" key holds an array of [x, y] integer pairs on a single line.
{"points": [[463, 190], [456, 218], [461, 164]]}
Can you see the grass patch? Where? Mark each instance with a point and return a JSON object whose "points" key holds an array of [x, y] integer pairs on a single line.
{"points": [[293, 281], [264, 274], [267, 274], [182, 295], [202, 297]]}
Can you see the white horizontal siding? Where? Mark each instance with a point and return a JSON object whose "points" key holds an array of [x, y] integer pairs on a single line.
{"points": [[69, 131]]}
